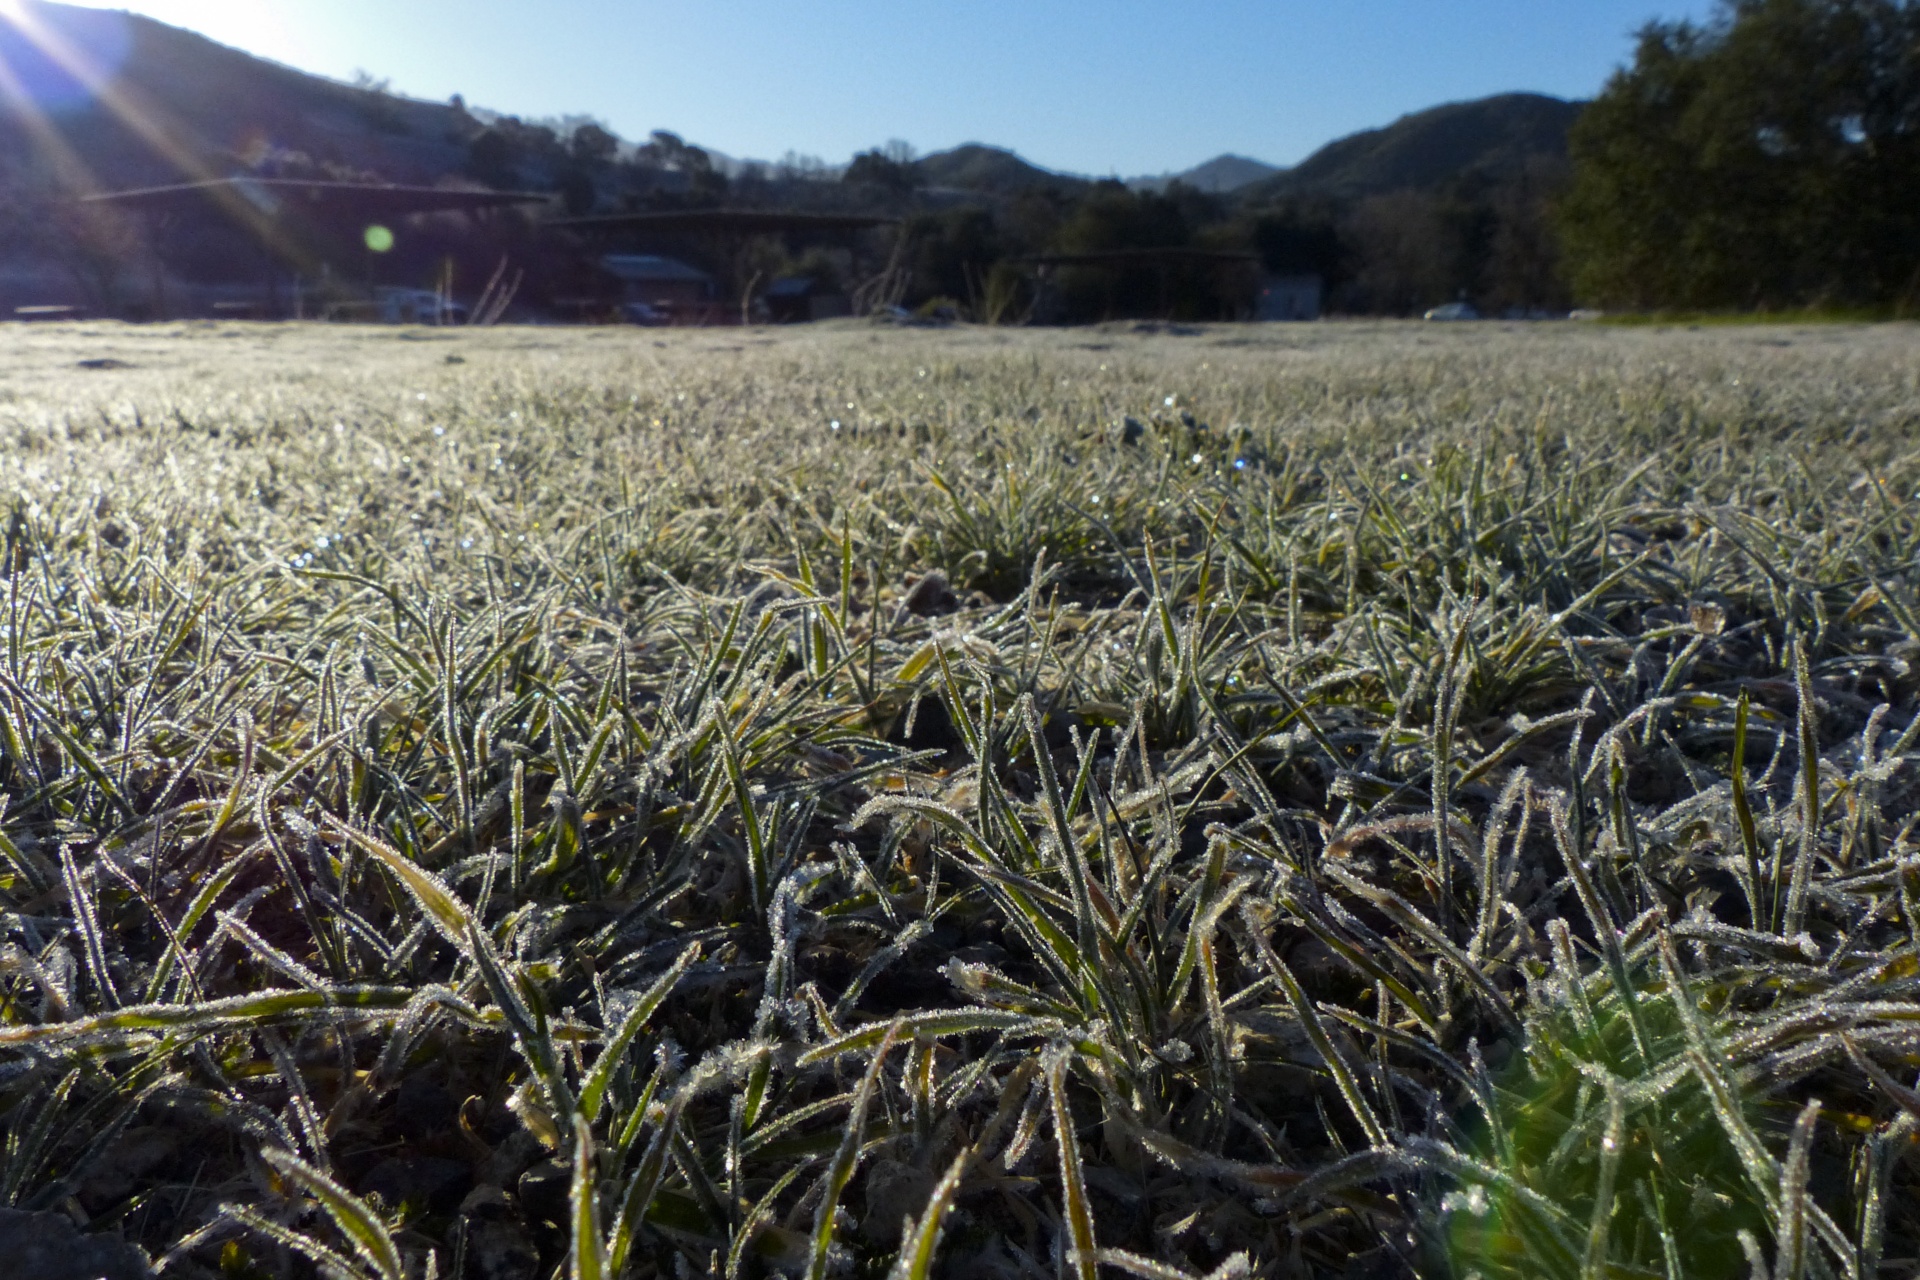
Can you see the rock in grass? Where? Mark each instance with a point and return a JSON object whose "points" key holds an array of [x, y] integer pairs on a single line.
{"points": [[931, 595], [543, 1191], [926, 726], [422, 1108], [502, 1251], [130, 1165], [47, 1246]]}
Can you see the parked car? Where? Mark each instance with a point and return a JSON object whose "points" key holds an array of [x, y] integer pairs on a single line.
{"points": [[1453, 311]]}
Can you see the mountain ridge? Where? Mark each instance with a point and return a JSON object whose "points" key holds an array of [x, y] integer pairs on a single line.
{"points": [[213, 110], [1489, 138], [990, 170], [1222, 175]]}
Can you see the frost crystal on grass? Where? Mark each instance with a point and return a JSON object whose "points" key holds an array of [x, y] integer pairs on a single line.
{"points": [[1097, 842]]}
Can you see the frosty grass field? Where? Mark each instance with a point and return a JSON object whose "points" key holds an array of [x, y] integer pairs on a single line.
{"points": [[1335, 800]]}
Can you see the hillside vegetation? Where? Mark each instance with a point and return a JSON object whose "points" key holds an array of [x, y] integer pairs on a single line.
{"points": [[1461, 143], [1218, 176], [201, 109], [1761, 159], [1339, 801], [1440, 204]]}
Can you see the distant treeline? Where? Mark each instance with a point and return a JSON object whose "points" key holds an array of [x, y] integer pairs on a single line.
{"points": [[1393, 254], [1383, 236], [1768, 158]]}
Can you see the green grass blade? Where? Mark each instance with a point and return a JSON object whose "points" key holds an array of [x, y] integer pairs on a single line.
{"points": [[917, 1248], [1790, 1255], [840, 1171], [594, 1088], [359, 1224], [1077, 1209], [586, 1251], [1309, 1018], [256, 1008]]}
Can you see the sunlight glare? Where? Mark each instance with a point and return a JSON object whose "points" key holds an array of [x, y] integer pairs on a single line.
{"points": [[260, 28], [40, 49]]}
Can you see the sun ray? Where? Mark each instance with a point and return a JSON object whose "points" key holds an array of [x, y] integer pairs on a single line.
{"points": [[145, 118], [70, 171]]}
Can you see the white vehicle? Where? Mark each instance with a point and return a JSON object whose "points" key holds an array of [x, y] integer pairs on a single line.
{"points": [[1453, 311]]}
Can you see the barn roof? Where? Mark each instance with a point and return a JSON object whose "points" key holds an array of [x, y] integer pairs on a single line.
{"points": [[1135, 257], [726, 221]]}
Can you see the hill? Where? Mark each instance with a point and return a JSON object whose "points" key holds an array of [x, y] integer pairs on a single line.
{"points": [[989, 170], [176, 105], [1493, 137], [1221, 175]]}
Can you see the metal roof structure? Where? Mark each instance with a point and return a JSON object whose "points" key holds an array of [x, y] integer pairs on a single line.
{"points": [[724, 221], [287, 231], [271, 197], [638, 267]]}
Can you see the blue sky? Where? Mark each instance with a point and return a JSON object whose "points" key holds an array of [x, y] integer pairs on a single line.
{"points": [[1118, 87]]}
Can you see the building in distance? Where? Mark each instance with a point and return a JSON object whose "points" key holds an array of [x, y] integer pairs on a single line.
{"points": [[660, 290], [1289, 298]]}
